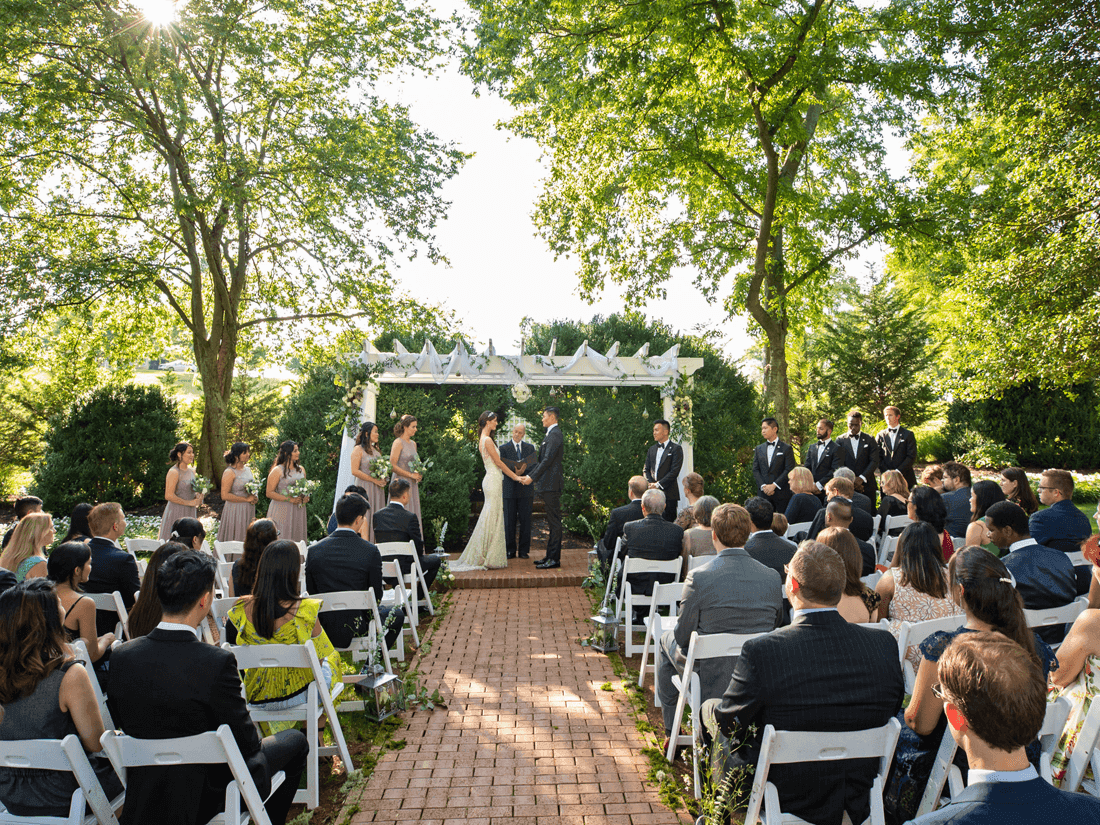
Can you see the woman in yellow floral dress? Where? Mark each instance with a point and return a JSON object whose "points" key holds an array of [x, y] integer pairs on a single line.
{"points": [[276, 614]]}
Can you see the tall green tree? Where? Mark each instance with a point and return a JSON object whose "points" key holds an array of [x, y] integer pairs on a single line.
{"points": [[745, 140], [235, 165]]}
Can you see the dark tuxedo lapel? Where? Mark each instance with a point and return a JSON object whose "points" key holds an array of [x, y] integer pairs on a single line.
{"points": [[779, 456]]}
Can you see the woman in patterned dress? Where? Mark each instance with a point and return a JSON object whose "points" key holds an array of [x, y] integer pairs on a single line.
{"points": [[365, 451], [289, 514], [183, 501], [240, 505], [401, 453]]}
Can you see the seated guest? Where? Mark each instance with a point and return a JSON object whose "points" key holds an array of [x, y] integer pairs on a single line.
{"points": [[685, 519], [840, 513], [820, 673], [693, 489], [148, 611], [25, 555], [804, 504], [112, 567], [78, 524], [69, 566], [1017, 489], [396, 522], [260, 533], [731, 594], [45, 694], [620, 516], [995, 701], [983, 495], [189, 532], [352, 490], [859, 500], [652, 538], [926, 505], [956, 497], [932, 476], [170, 684], [1061, 525], [859, 604], [7, 580], [895, 501], [347, 561], [699, 540], [763, 545], [780, 525], [1077, 680], [914, 589], [24, 506], [1044, 576], [981, 585], [863, 525]]}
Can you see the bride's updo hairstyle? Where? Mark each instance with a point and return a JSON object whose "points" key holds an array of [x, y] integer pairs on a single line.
{"points": [[483, 420], [403, 424]]}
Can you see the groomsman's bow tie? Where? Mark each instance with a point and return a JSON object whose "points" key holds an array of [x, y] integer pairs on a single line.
{"points": [[854, 436], [893, 430], [822, 440]]}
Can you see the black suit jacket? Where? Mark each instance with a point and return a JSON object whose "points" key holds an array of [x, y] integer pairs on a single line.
{"points": [[395, 523], [776, 472], [7, 580], [819, 461], [819, 673], [620, 517], [771, 550], [862, 526], [343, 561], [901, 456], [112, 569], [170, 684], [547, 472], [526, 453], [652, 538], [667, 474], [863, 464]]}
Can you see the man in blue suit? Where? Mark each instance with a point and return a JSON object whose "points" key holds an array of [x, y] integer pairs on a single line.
{"points": [[1061, 525], [994, 697], [112, 567]]}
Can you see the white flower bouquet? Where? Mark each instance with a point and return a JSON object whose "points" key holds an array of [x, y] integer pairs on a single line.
{"points": [[420, 465], [253, 486], [201, 485], [379, 468], [302, 488]]}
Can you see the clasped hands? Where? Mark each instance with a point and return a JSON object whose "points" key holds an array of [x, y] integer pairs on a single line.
{"points": [[524, 480]]}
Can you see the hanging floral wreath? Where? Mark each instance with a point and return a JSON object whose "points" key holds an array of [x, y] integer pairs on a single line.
{"points": [[521, 393]]}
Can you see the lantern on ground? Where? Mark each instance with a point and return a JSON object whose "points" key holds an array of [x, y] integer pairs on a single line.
{"points": [[383, 693], [605, 633]]}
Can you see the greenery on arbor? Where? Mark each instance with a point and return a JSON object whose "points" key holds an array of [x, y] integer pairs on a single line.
{"points": [[744, 140], [112, 446], [235, 166]]}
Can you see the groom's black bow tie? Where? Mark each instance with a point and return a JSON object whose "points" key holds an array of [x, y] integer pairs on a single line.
{"points": [[893, 430]]}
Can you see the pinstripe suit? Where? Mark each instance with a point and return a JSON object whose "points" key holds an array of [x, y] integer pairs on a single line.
{"points": [[819, 673], [734, 593]]}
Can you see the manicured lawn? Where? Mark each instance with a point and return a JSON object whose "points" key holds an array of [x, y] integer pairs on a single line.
{"points": [[1090, 511]]}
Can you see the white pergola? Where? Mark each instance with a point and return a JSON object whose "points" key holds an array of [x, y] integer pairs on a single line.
{"points": [[584, 368]]}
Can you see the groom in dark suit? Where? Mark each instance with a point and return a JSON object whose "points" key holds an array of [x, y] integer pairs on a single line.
{"points": [[547, 472], [662, 467], [771, 463], [518, 498]]}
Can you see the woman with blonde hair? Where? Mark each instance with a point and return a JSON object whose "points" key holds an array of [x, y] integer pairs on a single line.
{"points": [[25, 555], [804, 504], [895, 500]]}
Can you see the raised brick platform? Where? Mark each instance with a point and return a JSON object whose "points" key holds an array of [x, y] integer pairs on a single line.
{"points": [[523, 573]]}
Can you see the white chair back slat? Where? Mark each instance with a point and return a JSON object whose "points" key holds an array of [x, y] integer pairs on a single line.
{"points": [[228, 550], [912, 634], [1048, 616], [81, 651], [142, 545], [698, 561], [360, 601], [798, 527], [664, 596], [624, 608], [112, 603], [1077, 558], [399, 596], [872, 579], [1054, 722]]}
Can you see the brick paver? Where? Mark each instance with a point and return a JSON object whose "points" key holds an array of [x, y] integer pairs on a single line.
{"points": [[523, 573], [528, 737]]}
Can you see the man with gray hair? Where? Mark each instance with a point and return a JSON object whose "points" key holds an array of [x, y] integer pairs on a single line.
{"points": [[518, 498], [652, 538], [858, 499]]}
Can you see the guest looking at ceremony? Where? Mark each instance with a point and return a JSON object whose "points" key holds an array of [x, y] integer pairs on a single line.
{"points": [[693, 488], [148, 611], [620, 516], [403, 451], [840, 513], [731, 594], [820, 454], [762, 544], [663, 462], [170, 684], [652, 537], [897, 447], [69, 566], [24, 506], [1017, 488], [894, 501], [78, 524], [396, 522], [994, 697], [804, 503], [112, 567], [780, 525], [983, 495], [772, 463], [179, 492], [926, 505], [373, 488], [858, 499], [932, 476], [860, 603], [188, 532], [260, 534], [45, 694], [981, 586], [240, 505], [819, 673], [914, 589], [1077, 680], [699, 539], [862, 526], [1061, 525], [25, 555], [685, 519], [350, 490], [1044, 576], [859, 452], [288, 512], [956, 497]]}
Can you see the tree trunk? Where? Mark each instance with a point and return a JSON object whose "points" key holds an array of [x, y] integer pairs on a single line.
{"points": [[215, 363]]}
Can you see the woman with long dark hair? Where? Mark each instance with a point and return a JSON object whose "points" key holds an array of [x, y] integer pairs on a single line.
{"points": [[403, 451], [183, 500], [78, 524], [69, 566], [1017, 489], [240, 505], [374, 489], [983, 495], [288, 512], [45, 694], [926, 505], [261, 533], [147, 611]]}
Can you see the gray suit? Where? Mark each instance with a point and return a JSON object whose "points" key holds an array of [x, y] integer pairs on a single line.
{"points": [[731, 594]]}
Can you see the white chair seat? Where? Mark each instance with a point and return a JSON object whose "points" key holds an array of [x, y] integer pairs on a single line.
{"points": [[624, 608], [1053, 616]]}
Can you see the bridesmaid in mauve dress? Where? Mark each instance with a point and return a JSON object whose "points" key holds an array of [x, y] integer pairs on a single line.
{"points": [[289, 514], [366, 450], [183, 501], [240, 505], [401, 453]]}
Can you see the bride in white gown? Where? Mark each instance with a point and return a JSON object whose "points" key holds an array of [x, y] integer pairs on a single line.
{"points": [[486, 548]]}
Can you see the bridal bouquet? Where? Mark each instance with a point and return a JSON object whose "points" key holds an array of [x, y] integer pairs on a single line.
{"points": [[302, 488], [253, 486], [201, 485], [419, 465], [379, 468]]}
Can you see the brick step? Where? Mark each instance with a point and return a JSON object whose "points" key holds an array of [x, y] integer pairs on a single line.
{"points": [[523, 573]]}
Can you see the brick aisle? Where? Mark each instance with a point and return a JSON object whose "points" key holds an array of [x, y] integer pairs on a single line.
{"points": [[528, 737]]}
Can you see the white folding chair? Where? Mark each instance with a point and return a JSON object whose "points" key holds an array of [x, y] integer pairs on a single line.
{"points": [[784, 747], [134, 546], [616, 563], [699, 561], [1050, 616], [318, 702], [628, 600], [1077, 558], [112, 603], [361, 646], [81, 651], [911, 634], [225, 577], [886, 549], [958, 541], [65, 755], [228, 550], [875, 520], [872, 579], [219, 609], [210, 748], [702, 646], [664, 595], [399, 597], [798, 527], [413, 577], [1054, 722], [1085, 755]]}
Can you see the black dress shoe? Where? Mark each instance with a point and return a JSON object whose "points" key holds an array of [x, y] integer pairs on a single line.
{"points": [[537, 562], [547, 565], [511, 555], [524, 555]]}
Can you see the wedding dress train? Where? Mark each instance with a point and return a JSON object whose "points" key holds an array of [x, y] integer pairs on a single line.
{"points": [[486, 548]]}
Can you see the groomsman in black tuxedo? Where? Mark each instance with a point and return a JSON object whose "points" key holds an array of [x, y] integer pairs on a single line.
{"points": [[897, 446], [859, 453], [771, 463], [819, 456], [518, 498], [662, 467]]}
